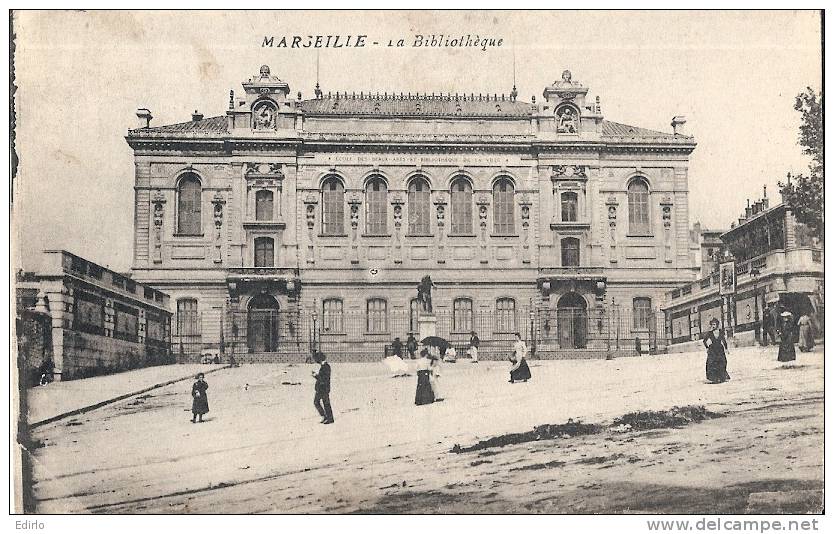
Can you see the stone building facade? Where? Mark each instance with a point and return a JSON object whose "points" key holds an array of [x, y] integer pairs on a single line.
{"points": [[289, 219]]}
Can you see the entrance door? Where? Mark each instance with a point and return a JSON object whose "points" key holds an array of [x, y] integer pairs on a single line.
{"points": [[262, 324], [572, 318]]}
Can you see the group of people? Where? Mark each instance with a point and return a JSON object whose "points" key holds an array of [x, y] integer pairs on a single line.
{"points": [[777, 321]]}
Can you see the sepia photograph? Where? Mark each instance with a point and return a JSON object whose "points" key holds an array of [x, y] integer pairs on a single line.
{"points": [[416, 262]]}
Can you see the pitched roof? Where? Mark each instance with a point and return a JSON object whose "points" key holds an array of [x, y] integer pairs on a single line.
{"points": [[218, 126]]}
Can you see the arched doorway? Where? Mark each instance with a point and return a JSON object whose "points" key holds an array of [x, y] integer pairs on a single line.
{"points": [[262, 324], [572, 319]]}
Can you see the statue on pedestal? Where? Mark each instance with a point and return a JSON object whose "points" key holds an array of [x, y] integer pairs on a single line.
{"points": [[424, 293]]}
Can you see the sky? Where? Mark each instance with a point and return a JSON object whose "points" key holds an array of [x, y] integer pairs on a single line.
{"points": [[82, 75]]}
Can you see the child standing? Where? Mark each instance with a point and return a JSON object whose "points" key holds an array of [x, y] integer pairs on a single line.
{"points": [[199, 402]]}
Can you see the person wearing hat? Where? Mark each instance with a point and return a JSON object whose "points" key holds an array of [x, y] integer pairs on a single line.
{"points": [[199, 400], [322, 398], [716, 343], [787, 352], [424, 395]]}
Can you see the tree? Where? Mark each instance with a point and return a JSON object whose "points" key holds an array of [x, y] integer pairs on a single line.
{"points": [[804, 194]]}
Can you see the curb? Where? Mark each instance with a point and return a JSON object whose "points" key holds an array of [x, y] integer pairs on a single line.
{"points": [[85, 409]]}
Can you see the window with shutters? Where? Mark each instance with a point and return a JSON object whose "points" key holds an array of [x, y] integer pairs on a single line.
{"points": [[461, 207], [333, 207], [189, 205], [419, 207], [503, 208]]}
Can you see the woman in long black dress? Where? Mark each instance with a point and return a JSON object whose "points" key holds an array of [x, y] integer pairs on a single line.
{"points": [[716, 344], [519, 371], [787, 352], [199, 403], [424, 395]]}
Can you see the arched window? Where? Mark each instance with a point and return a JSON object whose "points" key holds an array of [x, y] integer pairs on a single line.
{"points": [[332, 207], [377, 316], [419, 207], [638, 207], [503, 213], [189, 205], [376, 207], [462, 315], [461, 206], [505, 315], [332, 316], [570, 204], [263, 206], [570, 252], [264, 252], [642, 310]]}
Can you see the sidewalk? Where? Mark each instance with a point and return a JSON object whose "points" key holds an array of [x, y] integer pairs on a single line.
{"points": [[59, 399]]}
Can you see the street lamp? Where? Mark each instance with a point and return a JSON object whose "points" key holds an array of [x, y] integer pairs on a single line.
{"points": [[754, 272], [315, 327]]}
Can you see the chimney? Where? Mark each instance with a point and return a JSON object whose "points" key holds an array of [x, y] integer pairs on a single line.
{"points": [[677, 124], [196, 116], [765, 200], [144, 117]]}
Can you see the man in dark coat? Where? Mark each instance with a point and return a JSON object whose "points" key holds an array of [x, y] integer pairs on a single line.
{"points": [[411, 345], [767, 327], [322, 398], [397, 347]]}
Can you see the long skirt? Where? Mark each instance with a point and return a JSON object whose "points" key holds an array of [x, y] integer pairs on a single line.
{"points": [[717, 367], [199, 405], [522, 373], [424, 391], [787, 352], [806, 337]]}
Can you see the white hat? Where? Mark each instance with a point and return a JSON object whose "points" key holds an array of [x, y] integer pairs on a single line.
{"points": [[786, 314]]}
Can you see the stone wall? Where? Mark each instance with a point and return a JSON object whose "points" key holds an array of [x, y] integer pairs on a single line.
{"points": [[34, 343]]}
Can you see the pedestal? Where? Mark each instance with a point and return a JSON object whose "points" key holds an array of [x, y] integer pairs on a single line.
{"points": [[426, 325]]}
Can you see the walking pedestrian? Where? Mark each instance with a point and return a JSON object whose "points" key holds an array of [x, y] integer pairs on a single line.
{"points": [[787, 352], [424, 392], [716, 343], [806, 333], [519, 370], [767, 326], [411, 345], [322, 399], [199, 399], [474, 343]]}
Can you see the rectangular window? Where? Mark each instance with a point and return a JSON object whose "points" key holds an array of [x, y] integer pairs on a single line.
{"points": [[187, 319], [569, 207], [377, 321], [333, 208], [570, 252], [263, 206], [419, 208], [504, 212], [332, 314], [462, 315], [264, 252], [642, 313], [376, 206], [505, 315], [89, 312], [461, 207], [126, 322]]}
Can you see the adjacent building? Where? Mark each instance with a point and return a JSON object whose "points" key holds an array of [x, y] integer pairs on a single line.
{"points": [[289, 221], [773, 259]]}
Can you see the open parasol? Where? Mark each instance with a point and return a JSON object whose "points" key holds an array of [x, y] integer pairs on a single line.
{"points": [[435, 341]]}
